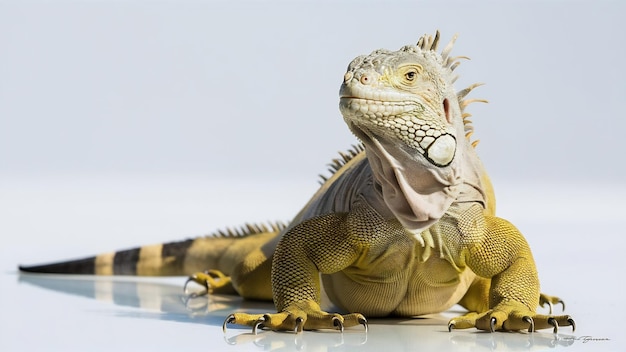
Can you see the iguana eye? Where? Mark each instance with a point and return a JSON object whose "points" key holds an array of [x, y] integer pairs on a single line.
{"points": [[407, 75], [410, 75]]}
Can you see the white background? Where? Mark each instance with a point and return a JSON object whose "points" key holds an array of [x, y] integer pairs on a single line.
{"points": [[131, 122]]}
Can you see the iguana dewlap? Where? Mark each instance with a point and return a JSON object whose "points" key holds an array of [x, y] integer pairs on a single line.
{"points": [[404, 226]]}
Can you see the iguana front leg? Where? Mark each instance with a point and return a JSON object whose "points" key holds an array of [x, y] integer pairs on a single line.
{"points": [[319, 245], [496, 249]]}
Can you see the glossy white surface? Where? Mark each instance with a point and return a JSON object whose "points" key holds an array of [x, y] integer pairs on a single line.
{"points": [[578, 260], [125, 123]]}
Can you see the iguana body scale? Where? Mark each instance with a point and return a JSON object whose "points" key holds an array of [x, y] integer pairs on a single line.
{"points": [[404, 226]]}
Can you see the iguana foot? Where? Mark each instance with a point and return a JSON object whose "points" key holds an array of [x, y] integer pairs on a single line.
{"points": [[297, 317], [214, 281], [510, 316], [550, 301]]}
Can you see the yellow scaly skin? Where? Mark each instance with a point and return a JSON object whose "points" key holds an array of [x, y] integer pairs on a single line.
{"points": [[376, 252]]}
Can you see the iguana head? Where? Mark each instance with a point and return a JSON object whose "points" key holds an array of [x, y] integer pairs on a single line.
{"points": [[405, 96], [403, 107]]}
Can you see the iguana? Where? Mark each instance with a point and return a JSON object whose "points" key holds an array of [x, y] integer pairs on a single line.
{"points": [[404, 226]]}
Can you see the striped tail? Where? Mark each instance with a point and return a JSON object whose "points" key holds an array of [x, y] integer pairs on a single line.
{"points": [[155, 260], [222, 251]]}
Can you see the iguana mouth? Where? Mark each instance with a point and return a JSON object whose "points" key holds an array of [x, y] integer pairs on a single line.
{"points": [[400, 120], [378, 108]]}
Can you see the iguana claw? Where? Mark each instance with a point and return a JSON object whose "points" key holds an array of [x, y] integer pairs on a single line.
{"points": [[258, 324], [550, 307], [299, 325], [194, 278], [338, 323], [554, 323], [550, 301], [492, 324], [530, 321], [450, 326], [363, 322], [229, 320], [572, 323]]}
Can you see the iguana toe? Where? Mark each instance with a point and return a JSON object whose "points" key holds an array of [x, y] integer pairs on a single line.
{"points": [[214, 281], [296, 318], [550, 301], [510, 316]]}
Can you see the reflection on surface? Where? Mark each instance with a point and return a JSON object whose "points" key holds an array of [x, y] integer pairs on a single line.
{"points": [[163, 299], [157, 298], [403, 338]]}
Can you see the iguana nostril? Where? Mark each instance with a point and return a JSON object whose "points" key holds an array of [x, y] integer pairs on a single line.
{"points": [[347, 77], [366, 79]]}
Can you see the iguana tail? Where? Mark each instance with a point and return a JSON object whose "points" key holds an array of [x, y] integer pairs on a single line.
{"points": [[221, 251]]}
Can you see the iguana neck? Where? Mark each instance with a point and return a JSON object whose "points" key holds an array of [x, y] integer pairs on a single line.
{"points": [[417, 195]]}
